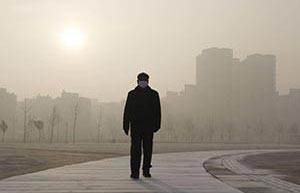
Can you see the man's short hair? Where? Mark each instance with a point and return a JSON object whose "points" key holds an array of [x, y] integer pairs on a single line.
{"points": [[143, 76]]}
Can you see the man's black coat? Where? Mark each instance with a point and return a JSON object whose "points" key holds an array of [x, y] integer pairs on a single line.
{"points": [[142, 110]]}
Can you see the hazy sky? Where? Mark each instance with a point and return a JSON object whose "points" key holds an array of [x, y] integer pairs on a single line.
{"points": [[122, 38]]}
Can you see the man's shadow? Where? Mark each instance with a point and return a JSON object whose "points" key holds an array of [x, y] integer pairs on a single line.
{"points": [[157, 185]]}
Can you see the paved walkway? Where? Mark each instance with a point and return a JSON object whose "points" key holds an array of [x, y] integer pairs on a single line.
{"points": [[173, 172], [260, 179]]}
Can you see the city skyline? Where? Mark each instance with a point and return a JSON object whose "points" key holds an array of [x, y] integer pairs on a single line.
{"points": [[239, 62], [97, 48], [230, 97]]}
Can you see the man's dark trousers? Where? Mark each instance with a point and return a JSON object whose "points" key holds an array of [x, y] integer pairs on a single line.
{"points": [[141, 139]]}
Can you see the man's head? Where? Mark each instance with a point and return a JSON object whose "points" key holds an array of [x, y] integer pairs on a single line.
{"points": [[143, 79]]}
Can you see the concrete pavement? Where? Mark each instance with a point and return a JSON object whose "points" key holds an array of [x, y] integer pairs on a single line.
{"points": [[172, 172]]}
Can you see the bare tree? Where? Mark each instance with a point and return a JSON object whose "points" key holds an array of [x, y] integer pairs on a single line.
{"points": [[13, 126], [67, 128], [170, 131], [39, 125], [248, 135], [229, 128], [279, 127], [293, 131], [58, 127], [189, 127], [26, 109], [3, 127], [76, 111], [211, 128], [30, 127], [53, 122], [260, 129], [99, 124]]}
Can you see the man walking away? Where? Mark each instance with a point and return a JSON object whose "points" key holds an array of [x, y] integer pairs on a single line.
{"points": [[142, 112]]}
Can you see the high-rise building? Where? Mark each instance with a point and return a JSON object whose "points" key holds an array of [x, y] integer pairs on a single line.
{"points": [[214, 68], [258, 75]]}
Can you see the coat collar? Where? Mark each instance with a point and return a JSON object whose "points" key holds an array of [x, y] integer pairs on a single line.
{"points": [[142, 89]]}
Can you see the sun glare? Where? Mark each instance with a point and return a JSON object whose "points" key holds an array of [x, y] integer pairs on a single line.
{"points": [[73, 38]]}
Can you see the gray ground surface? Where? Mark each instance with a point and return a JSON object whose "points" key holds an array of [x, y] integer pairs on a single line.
{"points": [[19, 158], [261, 171], [172, 172], [286, 164]]}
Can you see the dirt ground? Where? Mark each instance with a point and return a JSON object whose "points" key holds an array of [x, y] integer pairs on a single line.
{"points": [[284, 163], [21, 161]]}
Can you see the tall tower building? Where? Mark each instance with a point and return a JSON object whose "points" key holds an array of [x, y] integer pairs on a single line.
{"points": [[258, 75], [214, 82], [214, 71]]}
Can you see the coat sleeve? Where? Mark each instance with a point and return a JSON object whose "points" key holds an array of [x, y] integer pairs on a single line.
{"points": [[126, 114], [157, 112]]}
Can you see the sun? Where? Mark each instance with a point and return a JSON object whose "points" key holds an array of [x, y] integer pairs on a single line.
{"points": [[73, 38]]}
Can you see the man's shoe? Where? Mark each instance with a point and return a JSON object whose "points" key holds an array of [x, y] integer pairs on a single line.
{"points": [[147, 174], [134, 176]]}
